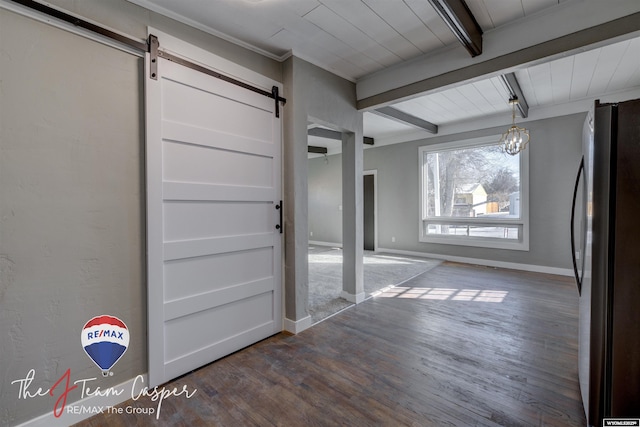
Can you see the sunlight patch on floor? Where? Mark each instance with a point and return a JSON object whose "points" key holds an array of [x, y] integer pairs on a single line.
{"points": [[476, 295]]}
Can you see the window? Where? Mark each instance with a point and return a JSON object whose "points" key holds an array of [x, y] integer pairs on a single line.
{"points": [[474, 194]]}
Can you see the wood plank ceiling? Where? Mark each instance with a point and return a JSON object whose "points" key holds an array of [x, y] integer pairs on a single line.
{"points": [[355, 38], [351, 38], [608, 69]]}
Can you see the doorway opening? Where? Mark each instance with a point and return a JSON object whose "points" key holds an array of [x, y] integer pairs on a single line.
{"points": [[369, 182], [325, 276]]}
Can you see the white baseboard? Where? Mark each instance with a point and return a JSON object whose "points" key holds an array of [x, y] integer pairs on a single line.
{"points": [[330, 244], [67, 418], [356, 299], [297, 326], [485, 262]]}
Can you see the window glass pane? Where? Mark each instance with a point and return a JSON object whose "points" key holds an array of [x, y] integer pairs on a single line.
{"points": [[472, 182], [467, 230]]}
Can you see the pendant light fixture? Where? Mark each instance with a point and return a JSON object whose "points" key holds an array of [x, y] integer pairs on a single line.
{"points": [[515, 139]]}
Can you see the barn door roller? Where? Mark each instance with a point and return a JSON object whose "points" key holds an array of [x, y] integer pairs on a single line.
{"points": [[153, 53]]}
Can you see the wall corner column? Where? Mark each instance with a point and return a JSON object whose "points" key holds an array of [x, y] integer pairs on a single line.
{"points": [[296, 205], [352, 215]]}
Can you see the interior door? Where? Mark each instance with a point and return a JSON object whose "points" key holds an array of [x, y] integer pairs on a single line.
{"points": [[369, 212], [213, 192]]}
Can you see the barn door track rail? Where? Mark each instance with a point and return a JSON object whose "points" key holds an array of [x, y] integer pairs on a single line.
{"points": [[152, 46], [156, 52]]}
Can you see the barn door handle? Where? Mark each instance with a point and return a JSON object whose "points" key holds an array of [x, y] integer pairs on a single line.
{"points": [[279, 208]]}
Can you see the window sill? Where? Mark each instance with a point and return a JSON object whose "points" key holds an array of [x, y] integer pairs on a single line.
{"points": [[514, 245]]}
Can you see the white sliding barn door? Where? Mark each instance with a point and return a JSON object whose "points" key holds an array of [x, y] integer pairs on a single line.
{"points": [[214, 253]]}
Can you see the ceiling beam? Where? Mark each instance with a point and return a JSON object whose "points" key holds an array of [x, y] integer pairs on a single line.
{"points": [[325, 133], [316, 150], [405, 118], [460, 20], [533, 41], [511, 82], [334, 134]]}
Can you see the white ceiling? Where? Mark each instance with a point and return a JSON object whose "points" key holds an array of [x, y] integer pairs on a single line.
{"points": [[586, 75], [351, 38], [355, 38]]}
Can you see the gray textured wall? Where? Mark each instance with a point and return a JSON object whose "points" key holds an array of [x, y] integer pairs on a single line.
{"points": [[313, 95], [554, 158], [71, 207], [325, 199], [72, 193], [133, 20]]}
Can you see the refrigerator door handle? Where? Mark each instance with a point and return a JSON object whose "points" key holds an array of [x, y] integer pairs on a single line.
{"points": [[573, 240]]}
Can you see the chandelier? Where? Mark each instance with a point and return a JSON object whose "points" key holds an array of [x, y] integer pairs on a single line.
{"points": [[515, 139]]}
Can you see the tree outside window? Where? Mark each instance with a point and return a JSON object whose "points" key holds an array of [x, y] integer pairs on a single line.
{"points": [[471, 192]]}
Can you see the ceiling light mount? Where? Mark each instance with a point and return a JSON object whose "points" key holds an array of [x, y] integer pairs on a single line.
{"points": [[516, 138]]}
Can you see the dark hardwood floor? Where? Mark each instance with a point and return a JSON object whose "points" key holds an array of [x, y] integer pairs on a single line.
{"points": [[459, 345]]}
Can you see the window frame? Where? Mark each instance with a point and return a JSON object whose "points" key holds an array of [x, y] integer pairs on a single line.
{"points": [[521, 244]]}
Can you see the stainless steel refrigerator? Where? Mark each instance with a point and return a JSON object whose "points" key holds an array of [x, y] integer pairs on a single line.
{"points": [[605, 239]]}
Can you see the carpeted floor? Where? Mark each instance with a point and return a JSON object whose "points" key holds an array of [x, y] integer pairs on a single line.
{"points": [[380, 271]]}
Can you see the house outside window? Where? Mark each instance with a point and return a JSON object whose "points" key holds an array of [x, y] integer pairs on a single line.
{"points": [[474, 194]]}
